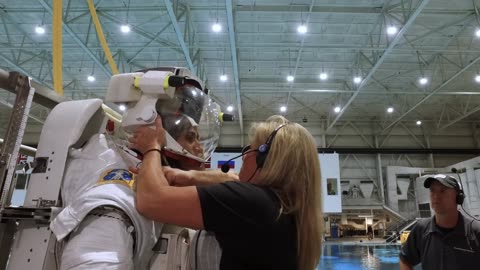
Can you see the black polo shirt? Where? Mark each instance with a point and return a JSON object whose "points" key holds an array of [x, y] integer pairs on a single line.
{"points": [[248, 226], [455, 249]]}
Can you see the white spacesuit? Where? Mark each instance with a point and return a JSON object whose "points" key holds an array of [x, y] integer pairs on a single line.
{"points": [[99, 227]]}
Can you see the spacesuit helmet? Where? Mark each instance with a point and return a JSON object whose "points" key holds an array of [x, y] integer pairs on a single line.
{"points": [[192, 122]]}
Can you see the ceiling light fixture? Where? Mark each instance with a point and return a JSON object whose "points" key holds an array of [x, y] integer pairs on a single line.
{"points": [[477, 78], [477, 33], [423, 80], [216, 27], [40, 29], [392, 30], [302, 29], [125, 28], [323, 76]]}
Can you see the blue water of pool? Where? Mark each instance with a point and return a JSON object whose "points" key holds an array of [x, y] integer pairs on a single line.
{"points": [[359, 257]]}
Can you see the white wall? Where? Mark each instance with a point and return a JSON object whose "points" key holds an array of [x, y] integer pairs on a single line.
{"points": [[216, 157], [329, 165], [330, 168], [469, 175]]}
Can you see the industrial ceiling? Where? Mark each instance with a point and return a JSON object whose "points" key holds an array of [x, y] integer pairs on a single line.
{"points": [[412, 60]]}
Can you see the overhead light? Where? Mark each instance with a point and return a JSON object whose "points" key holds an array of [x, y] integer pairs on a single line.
{"points": [[477, 78], [357, 80], [40, 29], [477, 32], [290, 78], [216, 27], [423, 81], [223, 77], [90, 78], [419, 122], [392, 30], [230, 108], [283, 108], [390, 109], [323, 76], [122, 107], [125, 28], [337, 109], [302, 29]]}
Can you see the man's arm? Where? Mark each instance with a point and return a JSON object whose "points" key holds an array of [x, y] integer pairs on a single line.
{"points": [[178, 177]]}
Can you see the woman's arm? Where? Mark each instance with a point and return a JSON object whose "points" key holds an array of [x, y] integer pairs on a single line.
{"points": [[404, 265], [155, 198], [182, 178]]}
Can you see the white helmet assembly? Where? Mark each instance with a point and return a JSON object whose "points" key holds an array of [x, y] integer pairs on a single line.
{"points": [[182, 102]]}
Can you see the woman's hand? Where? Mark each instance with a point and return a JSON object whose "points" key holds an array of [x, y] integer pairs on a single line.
{"points": [[177, 177], [145, 138], [232, 176]]}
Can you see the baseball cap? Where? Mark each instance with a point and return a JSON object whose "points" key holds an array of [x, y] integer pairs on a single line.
{"points": [[446, 180]]}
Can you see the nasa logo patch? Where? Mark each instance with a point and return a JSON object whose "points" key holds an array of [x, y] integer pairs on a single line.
{"points": [[117, 176]]}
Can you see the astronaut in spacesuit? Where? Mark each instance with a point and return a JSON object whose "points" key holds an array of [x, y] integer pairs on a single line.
{"points": [[99, 227]]}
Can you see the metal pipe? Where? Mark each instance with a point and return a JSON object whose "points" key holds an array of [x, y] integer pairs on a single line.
{"points": [[25, 148]]}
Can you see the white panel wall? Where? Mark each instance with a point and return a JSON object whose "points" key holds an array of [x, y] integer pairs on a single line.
{"points": [[469, 175], [329, 165], [330, 168], [469, 171], [216, 157]]}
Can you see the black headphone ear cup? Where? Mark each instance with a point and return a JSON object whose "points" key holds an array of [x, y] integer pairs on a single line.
{"points": [[261, 159], [262, 155], [460, 197]]}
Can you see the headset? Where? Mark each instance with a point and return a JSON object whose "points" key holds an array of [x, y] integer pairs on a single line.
{"points": [[461, 194], [459, 188], [262, 150]]}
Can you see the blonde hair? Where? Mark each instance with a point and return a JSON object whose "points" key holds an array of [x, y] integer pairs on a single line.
{"points": [[292, 170]]}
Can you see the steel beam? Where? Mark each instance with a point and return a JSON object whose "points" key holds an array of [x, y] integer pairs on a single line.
{"points": [[381, 60], [179, 33], [299, 54], [78, 41], [431, 93], [476, 109], [236, 76]]}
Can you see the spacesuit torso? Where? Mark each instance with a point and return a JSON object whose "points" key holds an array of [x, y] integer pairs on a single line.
{"points": [[97, 175]]}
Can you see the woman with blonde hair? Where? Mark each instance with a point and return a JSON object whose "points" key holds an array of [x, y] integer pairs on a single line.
{"points": [[270, 219]]}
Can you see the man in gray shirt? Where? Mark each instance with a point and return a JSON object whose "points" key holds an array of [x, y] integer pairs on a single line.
{"points": [[448, 240]]}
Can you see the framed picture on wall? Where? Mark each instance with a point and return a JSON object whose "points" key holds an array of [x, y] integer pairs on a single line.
{"points": [[332, 187]]}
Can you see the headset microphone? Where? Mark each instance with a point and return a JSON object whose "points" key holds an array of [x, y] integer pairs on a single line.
{"points": [[226, 167]]}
